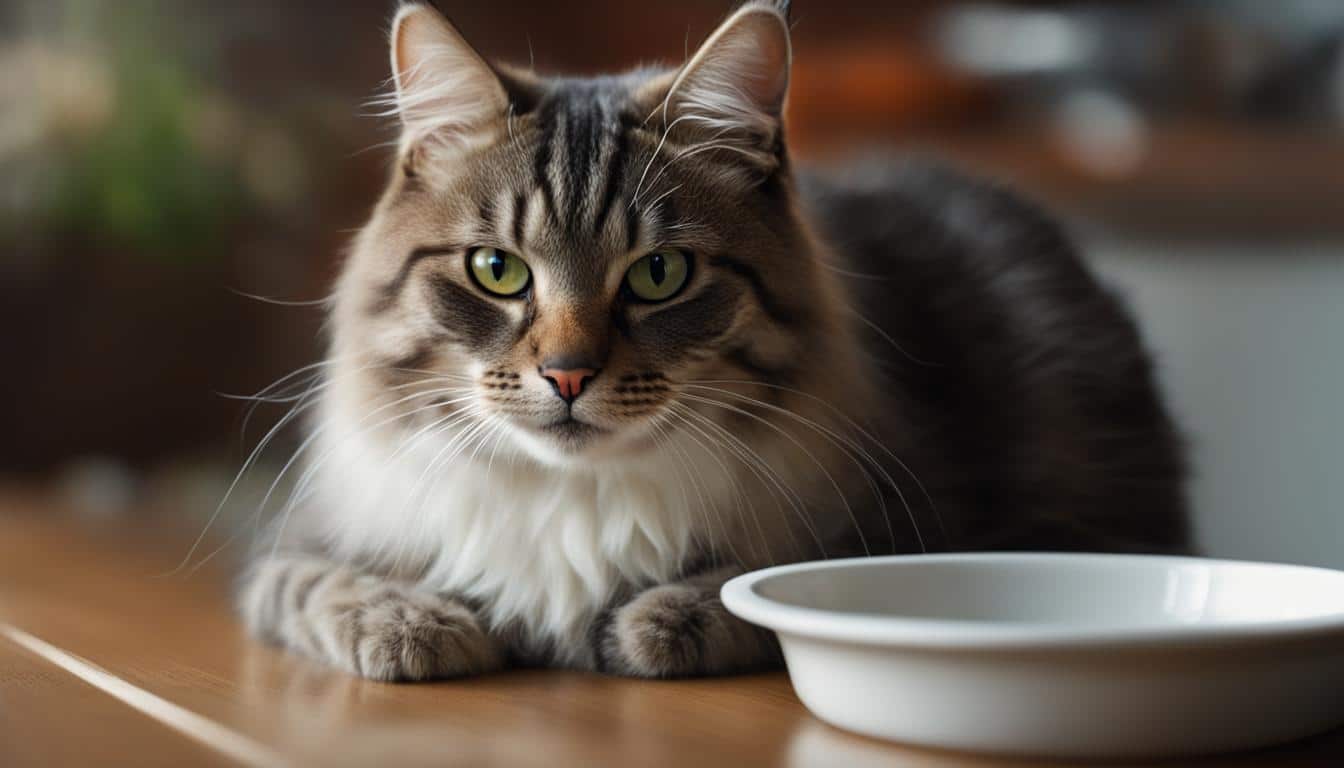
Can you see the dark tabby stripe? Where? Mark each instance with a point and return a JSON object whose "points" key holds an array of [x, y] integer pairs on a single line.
{"points": [[355, 619], [470, 318], [615, 176], [486, 212], [305, 589], [694, 322], [418, 359], [632, 220], [542, 165], [519, 219], [583, 139], [775, 309], [388, 294]]}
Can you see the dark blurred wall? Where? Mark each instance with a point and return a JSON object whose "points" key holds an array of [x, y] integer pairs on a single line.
{"points": [[159, 156]]}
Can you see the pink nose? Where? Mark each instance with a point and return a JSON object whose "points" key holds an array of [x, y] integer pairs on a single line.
{"points": [[568, 382]]}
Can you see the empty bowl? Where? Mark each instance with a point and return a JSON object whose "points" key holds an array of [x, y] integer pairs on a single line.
{"points": [[1059, 655]]}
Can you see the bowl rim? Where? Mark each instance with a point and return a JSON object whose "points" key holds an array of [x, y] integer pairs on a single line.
{"points": [[740, 597]]}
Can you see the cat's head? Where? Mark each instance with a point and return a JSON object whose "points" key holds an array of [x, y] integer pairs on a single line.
{"points": [[560, 259]]}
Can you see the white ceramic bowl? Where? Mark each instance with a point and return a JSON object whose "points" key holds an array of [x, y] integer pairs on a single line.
{"points": [[1082, 656]]}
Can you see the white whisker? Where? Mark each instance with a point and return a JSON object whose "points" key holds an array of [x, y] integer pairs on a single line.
{"points": [[852, 425], [863, 540]]}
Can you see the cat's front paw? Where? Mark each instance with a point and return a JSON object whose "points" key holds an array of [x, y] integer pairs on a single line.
{"points": [[376, 629], [397, 635], [679, 630], [663, 632]]}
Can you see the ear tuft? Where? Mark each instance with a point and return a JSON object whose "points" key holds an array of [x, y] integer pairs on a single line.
{"points": [[444, 88], [735, 86]]}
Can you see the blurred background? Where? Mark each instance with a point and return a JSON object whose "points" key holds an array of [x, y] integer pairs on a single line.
{"points": [[163, 163]]}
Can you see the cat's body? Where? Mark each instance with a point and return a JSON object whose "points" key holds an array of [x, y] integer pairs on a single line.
{"points": [[692, 366]]}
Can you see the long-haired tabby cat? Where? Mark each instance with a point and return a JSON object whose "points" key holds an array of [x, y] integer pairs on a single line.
{"points": [[601, 347]]}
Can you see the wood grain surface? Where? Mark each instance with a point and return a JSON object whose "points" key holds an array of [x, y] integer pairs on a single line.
{"points": [[108, 659]]}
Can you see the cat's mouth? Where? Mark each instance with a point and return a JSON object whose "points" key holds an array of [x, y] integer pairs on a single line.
{"points": [[571, 429], [573, 442]]}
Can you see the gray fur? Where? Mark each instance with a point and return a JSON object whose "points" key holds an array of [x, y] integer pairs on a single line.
{"points": [[364, 625]]}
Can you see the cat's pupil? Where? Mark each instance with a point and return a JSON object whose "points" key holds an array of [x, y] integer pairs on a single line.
{"points": [[497, 267], [657, 269]]}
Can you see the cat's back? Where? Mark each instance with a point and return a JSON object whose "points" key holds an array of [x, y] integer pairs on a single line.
{"points": [[917, 228], [947, 269], [1031, 393]]}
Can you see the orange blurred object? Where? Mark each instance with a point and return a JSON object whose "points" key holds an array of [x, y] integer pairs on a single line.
{"points": [[841, 93]]}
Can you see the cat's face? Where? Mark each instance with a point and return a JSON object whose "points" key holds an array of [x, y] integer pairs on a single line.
{"points": [[565, 258]]}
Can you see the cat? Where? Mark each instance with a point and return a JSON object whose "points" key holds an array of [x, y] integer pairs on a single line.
{"points": [[601, 347]]}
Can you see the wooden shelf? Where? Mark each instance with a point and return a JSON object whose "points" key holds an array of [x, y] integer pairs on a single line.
{"points": [[1193, 180]]}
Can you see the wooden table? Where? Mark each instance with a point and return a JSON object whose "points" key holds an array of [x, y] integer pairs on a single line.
{"points": [[106, 661]]}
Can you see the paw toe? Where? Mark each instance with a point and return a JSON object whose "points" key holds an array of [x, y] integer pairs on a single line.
{"points": [[399, 640], [662, 633]]}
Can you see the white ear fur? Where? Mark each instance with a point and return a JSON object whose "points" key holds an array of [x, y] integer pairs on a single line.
{"points": [[735, 85], [444, 88]]}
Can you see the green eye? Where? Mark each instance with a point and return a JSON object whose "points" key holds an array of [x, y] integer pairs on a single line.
{"points": [[500, 273], [658, 276]]}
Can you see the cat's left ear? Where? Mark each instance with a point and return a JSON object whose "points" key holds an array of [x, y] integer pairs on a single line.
{"points": [[446, 94], [734, 88]]}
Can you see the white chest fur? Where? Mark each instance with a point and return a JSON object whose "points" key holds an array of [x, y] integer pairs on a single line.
{"points": [[541, 546]]}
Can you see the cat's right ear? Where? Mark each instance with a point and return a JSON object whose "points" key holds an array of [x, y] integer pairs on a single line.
{"points": [[731, 93], [447, 96]]}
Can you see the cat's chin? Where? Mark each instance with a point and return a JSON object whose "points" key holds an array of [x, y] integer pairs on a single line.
{"points": [[573, 444]]}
